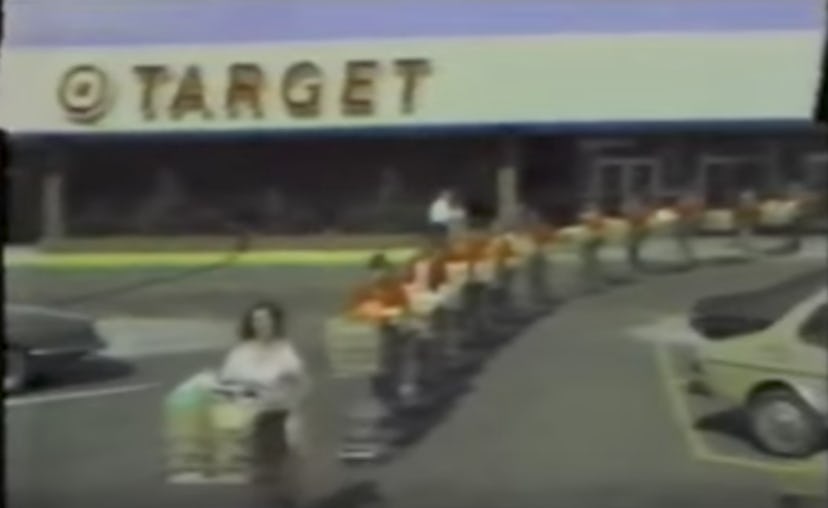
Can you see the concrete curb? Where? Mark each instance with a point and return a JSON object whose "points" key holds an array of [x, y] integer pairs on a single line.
{"points": [[138, 337]]}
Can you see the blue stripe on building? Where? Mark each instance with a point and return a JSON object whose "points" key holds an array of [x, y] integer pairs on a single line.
{"points": [[53, 23]]}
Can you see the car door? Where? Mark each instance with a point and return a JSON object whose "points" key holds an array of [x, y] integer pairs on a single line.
{"points": [[811, 357]]}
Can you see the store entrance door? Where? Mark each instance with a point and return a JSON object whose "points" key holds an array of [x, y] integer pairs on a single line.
{"points": [[617, 179], [724, 177]]}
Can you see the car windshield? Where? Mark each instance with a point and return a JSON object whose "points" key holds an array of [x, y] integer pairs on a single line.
{"points": [[767, 304]]}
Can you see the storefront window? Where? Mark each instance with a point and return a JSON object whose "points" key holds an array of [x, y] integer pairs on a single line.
{"points": [[617, 179], [677, 176], [725, 176]]}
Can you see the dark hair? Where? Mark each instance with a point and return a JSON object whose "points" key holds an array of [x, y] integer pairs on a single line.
{"points": [[277, 315]]}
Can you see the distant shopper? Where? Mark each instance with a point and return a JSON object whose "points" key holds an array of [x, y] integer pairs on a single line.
{"points": [[458, 223], [447, 215], [440, 212]]}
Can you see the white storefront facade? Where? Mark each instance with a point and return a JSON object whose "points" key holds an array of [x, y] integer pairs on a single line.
{"points": [[548, 103]]}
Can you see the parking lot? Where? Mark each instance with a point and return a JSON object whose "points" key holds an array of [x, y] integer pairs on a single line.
{"points": [[581, 409]]}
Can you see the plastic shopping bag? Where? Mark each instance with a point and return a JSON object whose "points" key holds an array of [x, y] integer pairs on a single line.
{"points": [[187, 425]]}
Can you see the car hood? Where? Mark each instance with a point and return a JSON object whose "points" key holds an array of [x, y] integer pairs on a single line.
{"points": [[724, 316], [40, 327]]}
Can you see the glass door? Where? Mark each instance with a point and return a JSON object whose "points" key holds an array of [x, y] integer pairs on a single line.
{"points": [[617, 179], [724, 177]]}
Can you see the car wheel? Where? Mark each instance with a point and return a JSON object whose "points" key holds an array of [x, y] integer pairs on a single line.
{"points": [[17, 374], [784, 425]]}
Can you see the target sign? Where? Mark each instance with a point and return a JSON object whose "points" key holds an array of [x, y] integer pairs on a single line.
{"points": [[85, 94]]}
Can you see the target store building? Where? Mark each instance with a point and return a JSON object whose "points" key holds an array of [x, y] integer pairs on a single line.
{"points": [[342, 115]]}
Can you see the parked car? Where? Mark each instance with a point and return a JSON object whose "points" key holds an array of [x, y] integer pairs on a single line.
{"points": [[39, 341], [779, 374], [726, 316]]}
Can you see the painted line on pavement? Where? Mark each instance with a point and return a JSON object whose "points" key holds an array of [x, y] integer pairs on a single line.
{"points": [[671, 329], [699, 449], [85, 394]]}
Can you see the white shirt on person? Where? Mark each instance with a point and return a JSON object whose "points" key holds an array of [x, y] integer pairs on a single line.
{"points": [[440, 211], [273, 368]]}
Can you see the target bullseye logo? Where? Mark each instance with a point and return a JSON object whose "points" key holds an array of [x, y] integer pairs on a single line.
{"points": [[85, 94]]}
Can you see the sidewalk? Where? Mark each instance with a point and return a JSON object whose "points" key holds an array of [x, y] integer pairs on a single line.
{"points": [[815, 247], [137, 337], [665, 249]]}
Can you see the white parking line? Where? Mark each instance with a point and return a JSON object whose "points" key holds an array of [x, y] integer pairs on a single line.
{"points": [[85, 394], [672, 329]]}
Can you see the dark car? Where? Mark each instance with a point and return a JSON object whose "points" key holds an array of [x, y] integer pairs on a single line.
{"points": [[40, 341], [722, 317]]}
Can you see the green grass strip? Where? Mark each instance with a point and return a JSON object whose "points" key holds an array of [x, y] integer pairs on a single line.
{"points": [[195, 259]]}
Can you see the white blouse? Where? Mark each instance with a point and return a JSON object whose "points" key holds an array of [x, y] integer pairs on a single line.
{"points": [[274, 368]]}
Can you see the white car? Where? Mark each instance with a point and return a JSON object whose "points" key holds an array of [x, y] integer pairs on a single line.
{"points": [[779, 373]]}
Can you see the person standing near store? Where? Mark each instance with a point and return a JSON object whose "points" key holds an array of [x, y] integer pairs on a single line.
{"points": [[440, 213], [458, 218]]}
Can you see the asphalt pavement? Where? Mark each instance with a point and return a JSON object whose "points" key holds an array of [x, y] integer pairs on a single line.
{"points": [[571, 413]]}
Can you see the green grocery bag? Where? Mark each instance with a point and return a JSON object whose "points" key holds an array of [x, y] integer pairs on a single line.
{"points": [[187, 426]]}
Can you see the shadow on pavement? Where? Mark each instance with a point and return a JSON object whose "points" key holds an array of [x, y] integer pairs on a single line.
{"points": [[783, 249], [728, 260], [415, 424], [730, 422], [667, 268], [363, 494]]}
